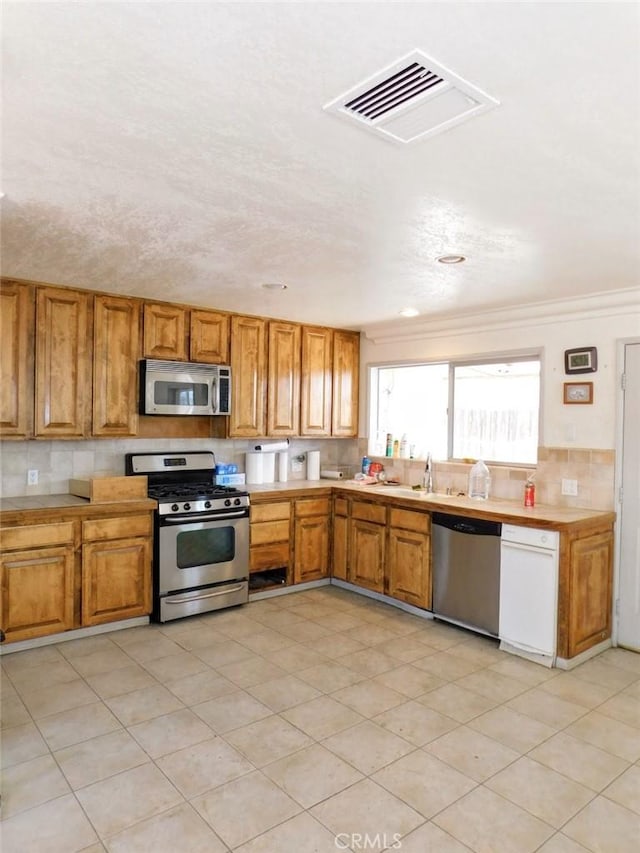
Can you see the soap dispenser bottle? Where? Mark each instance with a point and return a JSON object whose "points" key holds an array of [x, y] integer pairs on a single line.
{"points": [[479, 481]]}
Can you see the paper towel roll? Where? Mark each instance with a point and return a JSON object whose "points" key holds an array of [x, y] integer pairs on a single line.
{"points": [[253, 467], [268, 467], [274, 446], [313, 465], [283, 467], [331, 475]]}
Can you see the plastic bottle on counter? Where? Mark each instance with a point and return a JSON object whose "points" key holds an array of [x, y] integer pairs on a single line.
{"points": [[404, 447], [366, 464], [479, 481], [396, 448], [389, 447]]}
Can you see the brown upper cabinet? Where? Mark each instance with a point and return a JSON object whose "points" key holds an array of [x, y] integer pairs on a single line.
{"points": [[115, 365], [346, 366], [283, 384], [248, 377], [63, 363], [177, 333], [16, 359], [316, 382], [165, 331], [209, 337], [74, 354]]}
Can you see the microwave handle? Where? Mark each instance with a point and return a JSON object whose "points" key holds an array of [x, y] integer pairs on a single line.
{"points": [[214, 395]]}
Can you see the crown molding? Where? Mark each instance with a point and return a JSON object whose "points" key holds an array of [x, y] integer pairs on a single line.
{"points": [[596, 306]]}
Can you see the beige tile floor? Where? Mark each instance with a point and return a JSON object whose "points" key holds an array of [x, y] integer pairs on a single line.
{"points": [[316, 721]]}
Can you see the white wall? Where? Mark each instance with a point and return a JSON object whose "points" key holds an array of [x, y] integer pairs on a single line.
{"points": [[551, 329]]}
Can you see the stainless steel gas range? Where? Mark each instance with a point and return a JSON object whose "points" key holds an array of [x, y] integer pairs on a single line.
{"points": [[201, 534]]}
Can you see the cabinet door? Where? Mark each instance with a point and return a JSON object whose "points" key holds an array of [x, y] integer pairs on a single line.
{"points": [[316, 381], [209, 337], [340, 547], [367, 554], [311, 548], [283, 386], [591, 571], [165, 331], [37, 592], [116, 580], [408, 567], [346, 366], [248, 377], [115, 366], [16, 359], [63, 363]]}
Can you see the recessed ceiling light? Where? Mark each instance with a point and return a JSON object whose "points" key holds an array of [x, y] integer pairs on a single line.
{"points": [[409, 312], [274, 286], [451, 259]]}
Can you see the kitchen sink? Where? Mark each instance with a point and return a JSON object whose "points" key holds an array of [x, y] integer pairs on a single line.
{"points": [[408, 492]]}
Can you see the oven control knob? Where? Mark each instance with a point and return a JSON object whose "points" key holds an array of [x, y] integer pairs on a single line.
{"points": [[237, 502], [227, 502], [175, 508], [207, 504], [186, 507]]}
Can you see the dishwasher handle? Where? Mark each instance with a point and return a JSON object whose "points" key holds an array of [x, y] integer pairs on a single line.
{"points": [[471, 526]]}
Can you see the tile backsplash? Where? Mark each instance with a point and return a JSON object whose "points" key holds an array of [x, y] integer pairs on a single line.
{"points": [[59, 461], [594, 471]]}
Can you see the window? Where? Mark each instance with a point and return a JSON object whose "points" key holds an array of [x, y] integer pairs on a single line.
{"points": [[459, 410]]}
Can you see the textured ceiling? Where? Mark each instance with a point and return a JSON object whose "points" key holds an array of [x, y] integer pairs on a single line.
{"points": [[180, 151]]}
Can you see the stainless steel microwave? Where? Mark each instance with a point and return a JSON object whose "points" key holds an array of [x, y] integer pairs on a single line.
{"points": [[184, 388]]}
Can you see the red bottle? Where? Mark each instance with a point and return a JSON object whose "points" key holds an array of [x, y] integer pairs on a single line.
{"points": [[529, 494]]}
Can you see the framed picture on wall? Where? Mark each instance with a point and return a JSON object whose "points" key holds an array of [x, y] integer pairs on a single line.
{"points": [[581, 360], [578, 392]]}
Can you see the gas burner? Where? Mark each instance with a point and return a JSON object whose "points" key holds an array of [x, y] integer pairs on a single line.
{"points": [[203, 491]]}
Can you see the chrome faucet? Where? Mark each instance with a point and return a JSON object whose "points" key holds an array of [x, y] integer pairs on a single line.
{"points": [[427, 480]]}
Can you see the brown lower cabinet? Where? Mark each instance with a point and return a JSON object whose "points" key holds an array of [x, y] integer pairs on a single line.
{"points": [[289, 540], [116, 568], [311, 539], [385, 549], [367, 547], [37, 570], [72, 570], [269, 544], [585, 589], [409, 557]]}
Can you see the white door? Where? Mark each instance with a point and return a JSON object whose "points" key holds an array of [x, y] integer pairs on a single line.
{"points": [[629, 508]]}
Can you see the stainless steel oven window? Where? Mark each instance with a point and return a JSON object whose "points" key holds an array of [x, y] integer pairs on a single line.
{"points": [[172, 577], [205, 547]]}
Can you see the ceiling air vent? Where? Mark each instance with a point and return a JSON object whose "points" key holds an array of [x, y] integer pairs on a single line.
{"points": [[412, 99]]}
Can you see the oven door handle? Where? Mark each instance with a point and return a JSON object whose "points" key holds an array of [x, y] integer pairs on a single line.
{"points": [[196, 519], [174, 600]]}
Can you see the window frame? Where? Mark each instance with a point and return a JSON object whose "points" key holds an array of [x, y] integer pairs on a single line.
{"points": [[456, 362]]}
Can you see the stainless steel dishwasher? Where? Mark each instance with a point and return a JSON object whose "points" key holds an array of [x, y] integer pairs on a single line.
{"points": [[465, 562]]}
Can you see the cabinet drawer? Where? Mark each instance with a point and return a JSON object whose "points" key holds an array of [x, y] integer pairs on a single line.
{"points": [[270, 512], [269, 531], [36, 535], [311, 506], [369, 512], [341, 506], [269, 556], [408, 520], [116, 528]]}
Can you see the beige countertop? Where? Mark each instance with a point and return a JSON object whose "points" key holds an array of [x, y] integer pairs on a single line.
{"points": [[12, 508], [494, 508]]}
